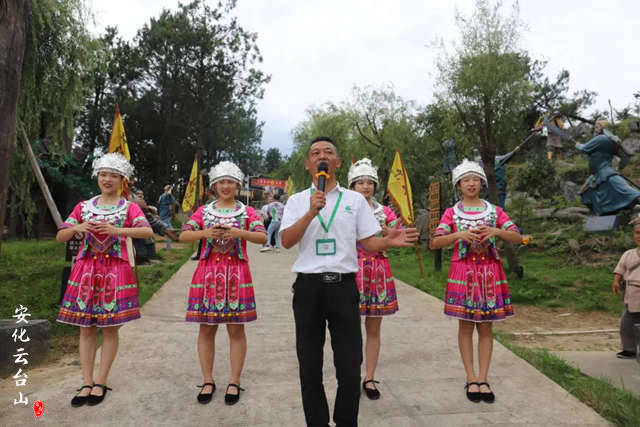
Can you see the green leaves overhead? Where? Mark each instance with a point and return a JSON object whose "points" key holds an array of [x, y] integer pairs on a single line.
{"points": [[188, 82]]}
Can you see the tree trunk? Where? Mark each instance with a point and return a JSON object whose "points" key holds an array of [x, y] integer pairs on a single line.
{"points": [[488, 153], [14, 23]]}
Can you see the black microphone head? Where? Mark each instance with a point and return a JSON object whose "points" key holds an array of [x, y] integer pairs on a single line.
{"points": [[323, 167]]}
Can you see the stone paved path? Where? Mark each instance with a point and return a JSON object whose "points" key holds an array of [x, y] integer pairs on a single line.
{"points": [[422, 378]]}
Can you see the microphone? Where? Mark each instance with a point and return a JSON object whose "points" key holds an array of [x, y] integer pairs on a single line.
{"points": [[322, 175]]}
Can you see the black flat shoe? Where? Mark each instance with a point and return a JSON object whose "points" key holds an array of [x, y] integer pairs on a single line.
{"points": [[232, 399], [625, 354], [80, 400], [372, 393], [206, 397], [487, 397], [473, 396], [93, 399]]}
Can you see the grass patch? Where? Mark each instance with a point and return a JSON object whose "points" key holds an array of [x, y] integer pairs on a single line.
{"points": [[548, 281], [31, 272], [618, 406]]}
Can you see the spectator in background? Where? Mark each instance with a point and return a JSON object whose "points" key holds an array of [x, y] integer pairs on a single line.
{"points": [[627, 270], [166, 204], [264, 214], [274, 211], [146, 248]]}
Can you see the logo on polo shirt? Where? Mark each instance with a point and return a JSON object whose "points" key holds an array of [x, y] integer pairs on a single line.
{"points": [[348, 209]]}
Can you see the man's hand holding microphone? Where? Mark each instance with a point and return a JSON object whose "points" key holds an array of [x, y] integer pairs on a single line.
{"points": [[318, 199]]}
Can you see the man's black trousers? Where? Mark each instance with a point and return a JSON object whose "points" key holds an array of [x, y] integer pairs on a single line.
{"points": [[316, 305]]}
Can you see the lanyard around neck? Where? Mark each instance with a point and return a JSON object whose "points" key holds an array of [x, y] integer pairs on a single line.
{"points": [[333, 214]]}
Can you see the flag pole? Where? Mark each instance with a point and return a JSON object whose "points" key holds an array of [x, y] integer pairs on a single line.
{"points": [[198, 195], [419, 258], [399, 189], [417, 245]]}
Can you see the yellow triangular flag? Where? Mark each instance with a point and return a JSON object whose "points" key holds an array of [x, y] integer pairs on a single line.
{"points": [[399, 188], [189, 201], [118, 139]]}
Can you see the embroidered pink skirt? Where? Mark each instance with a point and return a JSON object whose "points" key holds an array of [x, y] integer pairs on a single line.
{"points": [[221, 291], [376, 286], [477, 290], [101, 291]]}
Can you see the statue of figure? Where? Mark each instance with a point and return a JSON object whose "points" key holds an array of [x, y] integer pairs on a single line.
{"points": [[500, 167], [606, 191], [449, 158], [500, 171], [551, 127]]}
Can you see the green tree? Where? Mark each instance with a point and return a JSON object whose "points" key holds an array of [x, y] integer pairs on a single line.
{"points": [[189, 82], [272, 160], [199, 66], [373, 123], [112, 79], [384, 122], [552, 95], [14, 16], [58, 55], [327, 120], [486, 80]]}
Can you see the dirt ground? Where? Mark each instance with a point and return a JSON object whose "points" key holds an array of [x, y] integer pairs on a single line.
{"points": [[538, 319], [161, 243]]}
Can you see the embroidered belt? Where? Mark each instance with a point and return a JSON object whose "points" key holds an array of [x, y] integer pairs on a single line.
{"points": [[328, 277]]}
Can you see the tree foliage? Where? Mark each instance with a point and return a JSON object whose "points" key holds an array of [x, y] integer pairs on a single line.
{"points": [[272, 160], [373, 123], [486, 80], [188, 82], [52, 89], [14, 19], [552, 95]]}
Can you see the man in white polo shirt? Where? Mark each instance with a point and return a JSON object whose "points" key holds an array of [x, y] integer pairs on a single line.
{"points": [[327, 226]]}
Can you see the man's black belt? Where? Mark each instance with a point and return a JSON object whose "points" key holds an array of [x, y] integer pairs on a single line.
{"points": [[328, 277]]}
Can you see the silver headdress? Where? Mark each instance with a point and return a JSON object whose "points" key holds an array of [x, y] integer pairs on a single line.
{"points": [[467, 167], [113, 162], [226, 170], [363, 168]]}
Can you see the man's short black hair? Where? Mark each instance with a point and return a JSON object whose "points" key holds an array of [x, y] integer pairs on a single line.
{"points": [[322, 138], [276, 197]]}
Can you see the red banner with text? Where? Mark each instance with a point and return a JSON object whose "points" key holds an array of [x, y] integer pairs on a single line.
{"points": [[268, 182]]}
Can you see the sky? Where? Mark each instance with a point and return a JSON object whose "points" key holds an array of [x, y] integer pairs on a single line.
{"points": [[317, 51]]}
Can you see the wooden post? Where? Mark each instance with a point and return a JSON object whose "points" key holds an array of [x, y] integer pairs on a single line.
{"points": [[38, 173], [434, 220]]}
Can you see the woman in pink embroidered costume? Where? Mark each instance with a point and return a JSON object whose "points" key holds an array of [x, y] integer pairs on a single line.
{"points": [[221, 289], [102, 291], [374, 277], [477, 292]]}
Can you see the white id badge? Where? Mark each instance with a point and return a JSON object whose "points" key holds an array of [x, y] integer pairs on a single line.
{"points": [[326, 247]]}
